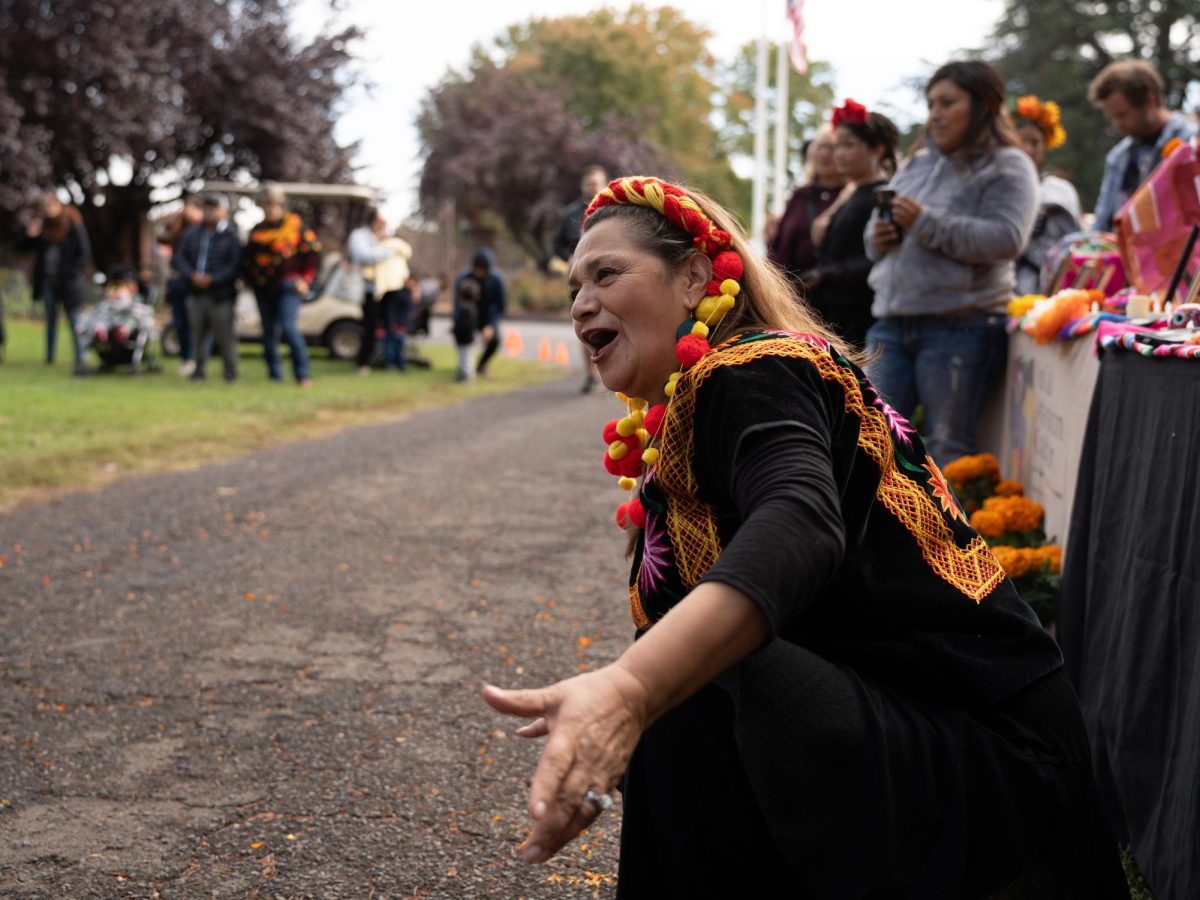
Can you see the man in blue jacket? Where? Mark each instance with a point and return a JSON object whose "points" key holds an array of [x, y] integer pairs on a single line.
{"points": [[1130, 93], [493, 301], [208, 259]]}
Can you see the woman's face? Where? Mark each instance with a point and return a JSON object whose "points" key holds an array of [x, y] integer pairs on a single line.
{"points": [[949, 115], [627, 304], [1034, 142], [272, 212], [824, 166], [856, 160], [51, 206]]}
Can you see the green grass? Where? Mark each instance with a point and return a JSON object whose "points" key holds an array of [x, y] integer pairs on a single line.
{"points": [[61, 432]]}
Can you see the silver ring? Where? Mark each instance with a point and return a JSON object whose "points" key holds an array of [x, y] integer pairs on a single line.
{"points": [[603, 801]]}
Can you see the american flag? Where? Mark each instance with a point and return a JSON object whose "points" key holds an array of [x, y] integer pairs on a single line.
{"points": [[795, 14]]}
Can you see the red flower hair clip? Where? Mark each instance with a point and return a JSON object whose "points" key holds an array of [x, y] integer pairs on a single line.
{"points": [[850, 113]]}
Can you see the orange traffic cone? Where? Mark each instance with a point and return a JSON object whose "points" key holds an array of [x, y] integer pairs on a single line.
{"points": [[513, 345], [560, 354], [544, 350]]}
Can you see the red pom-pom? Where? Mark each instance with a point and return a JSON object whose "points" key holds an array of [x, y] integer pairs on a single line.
{"points": [[714, 288], [654, 417], [689, 349], [636, 513], [631, 464], [727, 265], [610, 432], [622, 516], [613, 466]]}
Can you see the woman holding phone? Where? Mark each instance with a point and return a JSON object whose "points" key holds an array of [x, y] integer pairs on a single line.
{"points": [[963, 210]]}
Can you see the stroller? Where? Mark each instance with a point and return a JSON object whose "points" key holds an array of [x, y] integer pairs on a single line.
{"points": [[120, 328]]}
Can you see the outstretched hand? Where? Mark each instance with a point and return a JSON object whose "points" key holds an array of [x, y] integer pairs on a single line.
{"points": [[593, 722]]}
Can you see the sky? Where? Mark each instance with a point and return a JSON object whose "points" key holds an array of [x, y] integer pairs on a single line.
{"points": [[873, 46]]}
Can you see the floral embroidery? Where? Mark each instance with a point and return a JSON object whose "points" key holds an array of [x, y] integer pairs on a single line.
{"points": [[655, 554], [897, 424], [941, 491]]}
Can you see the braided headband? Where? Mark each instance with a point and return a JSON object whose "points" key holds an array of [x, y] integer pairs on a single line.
{"points": [[672, 202]]}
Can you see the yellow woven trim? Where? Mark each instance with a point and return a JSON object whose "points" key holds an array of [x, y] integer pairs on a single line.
{"points": [[691, 524], [640, 619]]}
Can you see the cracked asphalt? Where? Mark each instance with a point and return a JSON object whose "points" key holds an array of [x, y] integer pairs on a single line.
{"points": [[261, 678]]}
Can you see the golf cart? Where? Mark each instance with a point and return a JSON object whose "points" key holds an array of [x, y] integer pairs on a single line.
{"points": [[325, 320]]}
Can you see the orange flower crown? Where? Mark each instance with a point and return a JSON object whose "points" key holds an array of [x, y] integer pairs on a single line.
{"points": [[1046, 116]]}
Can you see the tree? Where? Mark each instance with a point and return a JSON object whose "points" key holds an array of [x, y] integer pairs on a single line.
{"points": [[112, 99], [1055, 49], [632, 91]]}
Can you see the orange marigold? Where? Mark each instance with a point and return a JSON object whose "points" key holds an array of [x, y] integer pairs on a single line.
{"points": [[1009, 488], [987, 523], [1052, 554], [1013, 560], [967, 468], [1019, 513]]}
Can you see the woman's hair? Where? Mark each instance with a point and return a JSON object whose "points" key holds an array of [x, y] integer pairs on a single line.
{"points": [[55, 230], [878, 131], [766, 300], [809, 175], [1135, 78], [989, 126]]}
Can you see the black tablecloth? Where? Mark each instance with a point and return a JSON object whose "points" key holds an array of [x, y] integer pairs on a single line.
{"points": [[1129, 623]]}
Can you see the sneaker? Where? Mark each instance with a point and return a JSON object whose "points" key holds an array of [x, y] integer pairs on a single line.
{"points": [[186, 368], [304, 383]]}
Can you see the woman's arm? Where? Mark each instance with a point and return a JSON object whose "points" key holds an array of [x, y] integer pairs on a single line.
{"points": [[1002, 226]]}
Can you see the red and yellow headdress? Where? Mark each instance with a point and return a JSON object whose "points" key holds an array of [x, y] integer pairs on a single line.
{"points": [[629, 437], [1046, 116]]}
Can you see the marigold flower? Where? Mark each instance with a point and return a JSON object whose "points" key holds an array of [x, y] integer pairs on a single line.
{"points": [[1014, 561], [988, 523], [1008, 488]]}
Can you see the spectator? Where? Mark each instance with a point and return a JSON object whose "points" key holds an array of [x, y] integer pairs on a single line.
{"points": [[865, 154], [280, 261], [173, 229], [397, 316], [62, 253], [1059, 210], [392, 279], [466, 322], [493, 300], [789, 242], [963, 211], [365, 250], [593, 180], [208, 259], [1130, 93]]}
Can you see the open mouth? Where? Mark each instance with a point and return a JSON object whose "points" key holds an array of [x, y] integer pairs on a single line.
{"points": [[598, 340]]}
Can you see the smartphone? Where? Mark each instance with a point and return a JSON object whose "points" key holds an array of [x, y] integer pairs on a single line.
{"points": [[883, 201]]}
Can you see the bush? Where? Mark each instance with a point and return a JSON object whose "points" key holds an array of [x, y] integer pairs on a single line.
{"points": [[531, 291], [16, 296]]}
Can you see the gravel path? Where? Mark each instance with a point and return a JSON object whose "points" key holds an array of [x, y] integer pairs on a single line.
{"points": [[261, 679]]}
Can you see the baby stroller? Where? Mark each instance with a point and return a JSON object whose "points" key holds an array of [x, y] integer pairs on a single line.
{"points": [[120, 328]]}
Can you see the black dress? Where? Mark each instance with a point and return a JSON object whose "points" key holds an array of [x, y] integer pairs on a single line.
{"points": [[842, 296], [907, 732]]}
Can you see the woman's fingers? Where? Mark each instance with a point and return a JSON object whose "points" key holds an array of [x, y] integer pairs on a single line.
{"points": [[537, 729], [557, 800], [518, 703]]}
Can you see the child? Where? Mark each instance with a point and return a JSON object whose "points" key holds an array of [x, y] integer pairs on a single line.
{"points": [[397, 314], [465, 320]]}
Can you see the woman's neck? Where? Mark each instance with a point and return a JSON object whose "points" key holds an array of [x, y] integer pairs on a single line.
{"points": [[832, 183]]}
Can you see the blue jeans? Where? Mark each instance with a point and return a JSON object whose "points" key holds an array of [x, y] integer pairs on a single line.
{"points": [[397, 311], [177, 295], [279, 308], [946, 364], [51, 303]]}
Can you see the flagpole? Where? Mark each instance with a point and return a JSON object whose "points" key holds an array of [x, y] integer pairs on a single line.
{"points": [[758, 206], [782, 121]]}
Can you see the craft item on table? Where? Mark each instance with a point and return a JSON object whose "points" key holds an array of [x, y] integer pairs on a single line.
{"points": [[1087, 324], [1154, 341], [1019, 306], [1157, 228], [1084, 260], [1186, 315], [1049, 316]]}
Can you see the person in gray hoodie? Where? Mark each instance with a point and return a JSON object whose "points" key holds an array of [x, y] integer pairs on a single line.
{"points": [[943, 238]]}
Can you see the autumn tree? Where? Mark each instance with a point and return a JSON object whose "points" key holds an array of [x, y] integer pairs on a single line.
{"points": [[1055, 49], [112, 99], [633, 91]]}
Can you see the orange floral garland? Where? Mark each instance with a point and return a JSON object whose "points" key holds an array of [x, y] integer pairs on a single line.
{"points": [[1047, 116]]}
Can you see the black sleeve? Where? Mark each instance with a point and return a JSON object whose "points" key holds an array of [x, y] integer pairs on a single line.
{"points": [[767, 445]]}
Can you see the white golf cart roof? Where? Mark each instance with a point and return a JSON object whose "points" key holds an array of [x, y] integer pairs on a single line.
{"points": [[298, 189]]}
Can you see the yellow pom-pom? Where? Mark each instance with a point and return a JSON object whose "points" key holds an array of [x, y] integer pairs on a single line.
{"points": [[626, 426], [638, 416], [617, 450], [707, 308], [627, 483], [650, 456], [622, 397], [674, 376], [643, 436], [730, 287], [637, 402], [700, 329], [669, 388], [725, 303]]}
